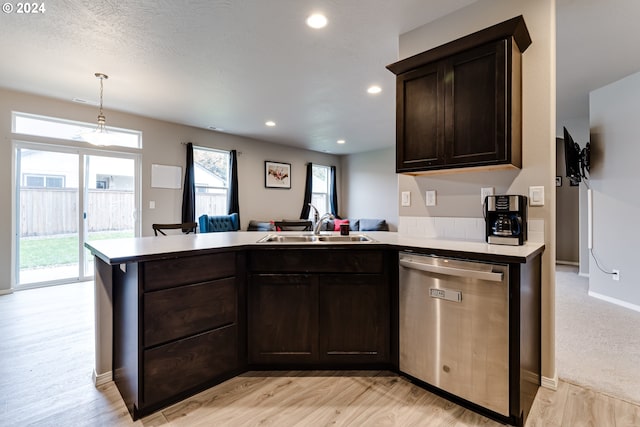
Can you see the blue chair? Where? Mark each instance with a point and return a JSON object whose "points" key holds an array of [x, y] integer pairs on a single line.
{"points": [[216, 223]]}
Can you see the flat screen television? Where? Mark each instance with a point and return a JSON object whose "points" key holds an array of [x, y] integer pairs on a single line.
{"points": [[576, 160]]}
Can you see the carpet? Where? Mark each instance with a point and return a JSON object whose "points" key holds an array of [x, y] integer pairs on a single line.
{"points": [[597, 343]]}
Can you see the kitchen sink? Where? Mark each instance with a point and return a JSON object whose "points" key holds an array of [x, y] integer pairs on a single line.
{"points": [[313, 238]]}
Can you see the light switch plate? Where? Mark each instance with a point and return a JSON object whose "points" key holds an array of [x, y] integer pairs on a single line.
{"points": [[430, 197], [152, 204], [536, 196], [406, 198]]}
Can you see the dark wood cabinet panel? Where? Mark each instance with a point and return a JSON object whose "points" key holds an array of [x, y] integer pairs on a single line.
{"points": [[282, 318], [184, 365], [354, 319], [178, 312], [167, 273], [178, 324], [318, 260], [477, 98], [459, 105], [338, 316], [421, 118]]}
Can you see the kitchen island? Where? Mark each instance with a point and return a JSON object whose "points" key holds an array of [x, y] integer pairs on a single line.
{"points": [[179, 314]]}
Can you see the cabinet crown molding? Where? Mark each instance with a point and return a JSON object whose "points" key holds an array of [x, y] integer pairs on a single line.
{"points": [[514, 27]]}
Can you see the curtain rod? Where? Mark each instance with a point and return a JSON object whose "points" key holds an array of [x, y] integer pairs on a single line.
{"points": [[185, 143]]}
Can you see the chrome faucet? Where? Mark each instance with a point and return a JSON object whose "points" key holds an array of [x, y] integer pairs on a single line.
{"points": [[316, 214], [316, 229]]}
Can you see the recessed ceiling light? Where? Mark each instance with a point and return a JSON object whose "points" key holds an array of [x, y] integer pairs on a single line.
{"points": [[374, 89], [270, 123], [341, 141], [317, 20]]}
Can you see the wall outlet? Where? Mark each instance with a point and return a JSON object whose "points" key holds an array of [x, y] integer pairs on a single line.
{"points": [[406, 198], [616, 275], [430, 197], [484, 192], [152, 204]]}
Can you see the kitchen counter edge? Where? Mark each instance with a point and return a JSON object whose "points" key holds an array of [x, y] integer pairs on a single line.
{"points": [[138, 249]]}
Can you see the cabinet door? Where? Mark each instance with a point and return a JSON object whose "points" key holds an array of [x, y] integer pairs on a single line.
{"points": [[189, 364], [476, 105], [420, 118], [282, 315], [187, 310], [354, 319]]}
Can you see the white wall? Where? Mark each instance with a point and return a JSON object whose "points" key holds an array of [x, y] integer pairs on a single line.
{"points": [[162, 145], [370, 186], [459, 194], [615, 150]]}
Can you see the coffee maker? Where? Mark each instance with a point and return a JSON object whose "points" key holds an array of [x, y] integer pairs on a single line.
{"points": [[506, 219]]}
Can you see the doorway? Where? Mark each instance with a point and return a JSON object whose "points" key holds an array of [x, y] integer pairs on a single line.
{"points": [[65, 197]]}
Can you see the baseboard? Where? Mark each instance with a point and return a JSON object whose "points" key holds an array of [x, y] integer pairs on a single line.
{"points": [[101, 379], [550, 383], [6, 291], [615, 301]]}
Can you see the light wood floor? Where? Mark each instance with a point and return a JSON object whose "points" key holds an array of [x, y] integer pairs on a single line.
{"points": [[46, 359]]}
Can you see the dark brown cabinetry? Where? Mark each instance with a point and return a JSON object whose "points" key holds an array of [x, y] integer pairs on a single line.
{"points": [[459, 105], [318, 307], [176, 328]]}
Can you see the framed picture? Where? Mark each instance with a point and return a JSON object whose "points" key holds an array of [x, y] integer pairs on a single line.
{"points": [[277, 175], [558, 181]]}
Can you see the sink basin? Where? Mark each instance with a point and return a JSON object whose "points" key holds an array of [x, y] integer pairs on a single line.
{"points": [[312, 238]]}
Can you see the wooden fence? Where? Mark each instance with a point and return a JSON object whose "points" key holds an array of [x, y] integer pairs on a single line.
{"points": [[48, 211], [51, 211]]}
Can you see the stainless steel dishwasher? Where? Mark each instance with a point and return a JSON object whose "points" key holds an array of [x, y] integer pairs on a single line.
{"points": [[454, 327]]}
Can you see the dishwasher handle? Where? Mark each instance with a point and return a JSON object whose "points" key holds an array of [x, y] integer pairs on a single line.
{"points": [[452, 271]]}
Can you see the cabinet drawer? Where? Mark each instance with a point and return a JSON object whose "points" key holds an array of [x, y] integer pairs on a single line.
{"points": [[183, 365], [167, 273], [316, 261], [179, 312]]}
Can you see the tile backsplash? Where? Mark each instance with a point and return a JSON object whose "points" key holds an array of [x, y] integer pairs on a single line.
{"points": [[472, 229]]}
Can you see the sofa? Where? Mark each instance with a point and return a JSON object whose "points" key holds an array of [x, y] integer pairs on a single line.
{"points": [[362, 224], [216, 223]]}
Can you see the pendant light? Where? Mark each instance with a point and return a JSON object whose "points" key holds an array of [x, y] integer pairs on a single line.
{"points": [[99, 136]]}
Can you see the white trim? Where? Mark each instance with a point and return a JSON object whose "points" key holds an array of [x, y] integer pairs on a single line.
{"points": [[550, 383], [615, 301], [583, 275], [6, 291], [101, 379]]}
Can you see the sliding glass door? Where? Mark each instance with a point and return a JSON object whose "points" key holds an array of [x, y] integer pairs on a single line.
{"points": [[110, 201], [47, 217], [65, 197]]}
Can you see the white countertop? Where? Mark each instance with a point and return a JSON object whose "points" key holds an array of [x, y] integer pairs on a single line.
{"points": [[119, 251]]}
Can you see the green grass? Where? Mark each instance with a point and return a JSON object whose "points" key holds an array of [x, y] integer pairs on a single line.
{"points": [[58, 250]]}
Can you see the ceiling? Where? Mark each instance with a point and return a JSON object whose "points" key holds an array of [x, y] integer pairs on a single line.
{"points": [[233, 65], [597, 44]]}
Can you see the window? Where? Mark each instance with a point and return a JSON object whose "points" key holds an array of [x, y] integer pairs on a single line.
{"points": [[43, 181], [51, 127], [320, 189], [211, 173]]}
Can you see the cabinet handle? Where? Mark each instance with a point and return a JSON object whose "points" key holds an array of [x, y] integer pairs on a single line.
{"points": [[452, 271]]}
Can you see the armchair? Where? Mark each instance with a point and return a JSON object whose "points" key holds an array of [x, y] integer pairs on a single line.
{"points": [[216, 223]]}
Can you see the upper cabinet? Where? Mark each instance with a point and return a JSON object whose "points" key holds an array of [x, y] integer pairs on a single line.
{"points": [[459, 105]]}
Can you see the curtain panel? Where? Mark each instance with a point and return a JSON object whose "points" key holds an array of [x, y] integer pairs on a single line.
{"points": [[233, 200], [308, 189], [189, 190]]}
